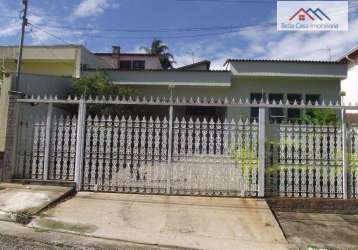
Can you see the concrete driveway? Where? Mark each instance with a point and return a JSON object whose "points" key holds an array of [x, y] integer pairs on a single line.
{"points": [[189, 222], [17, 198]]}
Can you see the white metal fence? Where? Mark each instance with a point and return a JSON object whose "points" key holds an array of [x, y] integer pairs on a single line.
{"points": [[307, 161], [185, 156], [131, 155]]}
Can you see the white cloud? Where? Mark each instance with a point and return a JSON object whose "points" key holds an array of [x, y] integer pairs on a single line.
{"points": [[299, 45], [92, 8]]}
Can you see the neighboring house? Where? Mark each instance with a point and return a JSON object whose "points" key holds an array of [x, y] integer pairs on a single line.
{"points": [[130, 61], [273, 80], [202, 65], [350, 84], [59, 60], [49, 65]]}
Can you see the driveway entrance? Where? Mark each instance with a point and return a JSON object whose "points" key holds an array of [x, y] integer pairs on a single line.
{"points": [[189, 222]]}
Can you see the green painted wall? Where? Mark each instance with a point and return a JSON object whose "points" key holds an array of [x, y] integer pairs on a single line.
{"points": [[242, 88]]}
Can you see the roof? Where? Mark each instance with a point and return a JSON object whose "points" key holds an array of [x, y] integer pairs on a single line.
{"points": [[189, 66], [282, 61], [157, 70], [126, 54], [350, 53]]}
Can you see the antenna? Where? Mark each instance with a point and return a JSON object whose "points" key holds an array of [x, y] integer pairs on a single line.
{"points": [[192, 55]]}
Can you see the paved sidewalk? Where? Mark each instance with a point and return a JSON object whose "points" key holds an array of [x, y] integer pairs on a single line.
{"points": [[193, 222], [18, 201], [319, 230]]}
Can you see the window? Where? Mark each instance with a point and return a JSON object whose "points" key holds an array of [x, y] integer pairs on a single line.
{"points": [[139, 65], [276, 114], [312, 98], [195, 112], [125, 65], [255, 98], [294, 114]]}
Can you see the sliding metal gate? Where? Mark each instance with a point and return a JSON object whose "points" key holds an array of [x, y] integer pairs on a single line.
{"points": [[131, 155]]}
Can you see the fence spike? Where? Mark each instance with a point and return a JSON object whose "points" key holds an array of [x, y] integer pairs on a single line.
{"points": [[323, 103], [247, 101], [151, 99], [183, 120], [116, 119], [144, 99], [232, 123], [240, 122], [212, 100], [183, 100], [123, 119], [254, 122], [247, 121], [177, 100], [295, 103], [233, 101], [157, 120], [197, 100], [226, 101], [219, 101], [330, 103], [191, 100], [136, 119]]}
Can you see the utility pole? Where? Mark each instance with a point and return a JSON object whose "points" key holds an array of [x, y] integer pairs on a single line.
{"points": [[21, 45]]}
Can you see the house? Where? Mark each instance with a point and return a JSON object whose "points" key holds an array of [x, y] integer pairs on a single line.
{"points": [[202, 65], [350, 84], [45, 68], [272, 80], [59, 60], [130, 61]]}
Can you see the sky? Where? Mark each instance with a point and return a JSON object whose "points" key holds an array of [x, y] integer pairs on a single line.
{"points": [[194, 30]]}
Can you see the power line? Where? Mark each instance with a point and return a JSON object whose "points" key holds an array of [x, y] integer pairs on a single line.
{"points": [[163, 30], [243, 28]]}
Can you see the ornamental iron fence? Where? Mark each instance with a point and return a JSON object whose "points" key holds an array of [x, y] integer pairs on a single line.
{"points": [[174, 154]]}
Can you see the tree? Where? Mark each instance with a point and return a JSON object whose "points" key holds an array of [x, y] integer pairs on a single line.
{"points": [[320, 116], [99, 84], [159, 48], [2, 72]]}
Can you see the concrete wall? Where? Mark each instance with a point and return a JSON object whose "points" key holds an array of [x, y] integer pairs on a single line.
{"points": [[350, 84], [56, 68], [91, 61], [151, 62], [30, 84], [52, 60]]}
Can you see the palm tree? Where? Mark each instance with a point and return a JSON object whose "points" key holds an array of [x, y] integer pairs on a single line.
{"points": [[159, 48]]}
